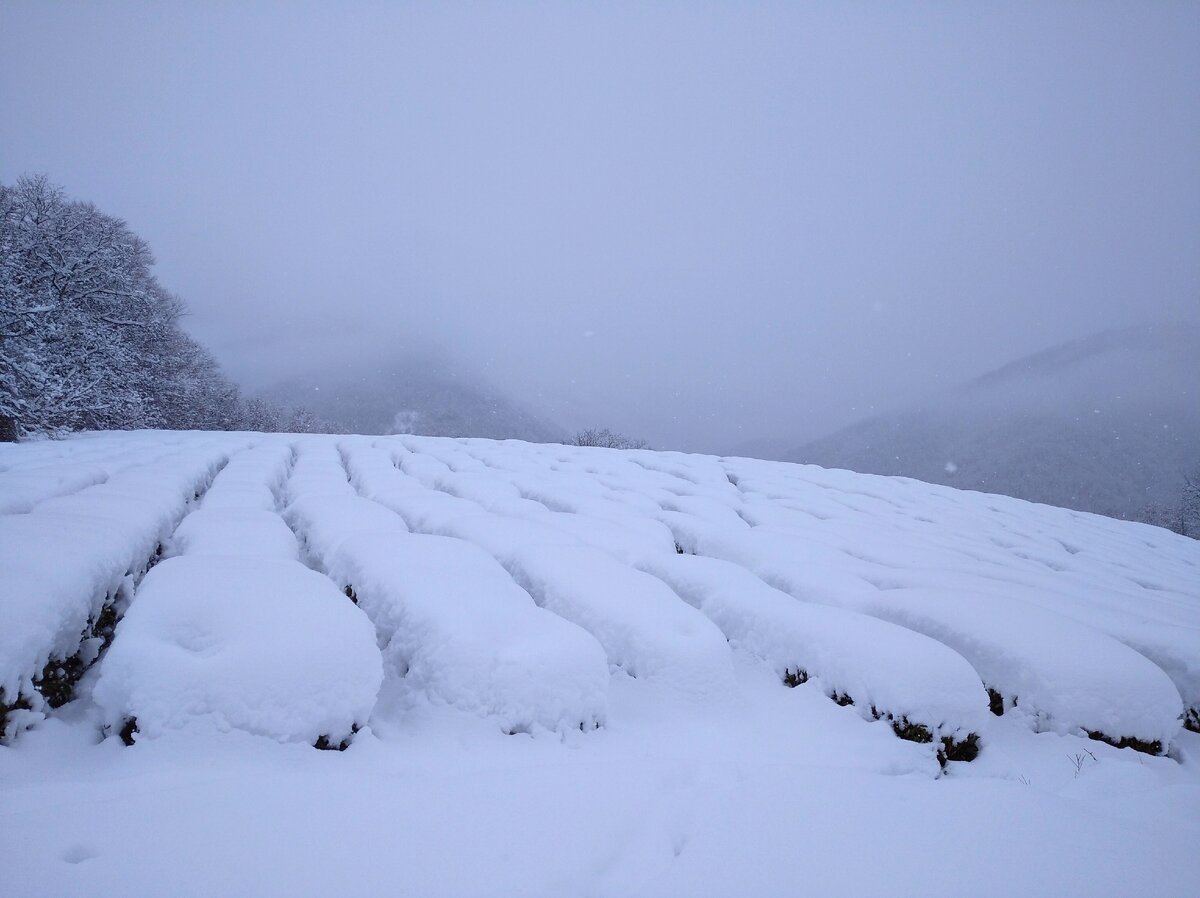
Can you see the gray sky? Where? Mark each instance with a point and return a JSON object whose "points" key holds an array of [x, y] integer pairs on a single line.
{"points": [[697, 223]]}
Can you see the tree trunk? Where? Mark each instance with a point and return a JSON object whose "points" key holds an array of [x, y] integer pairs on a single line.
{"points": [[9, 432]]}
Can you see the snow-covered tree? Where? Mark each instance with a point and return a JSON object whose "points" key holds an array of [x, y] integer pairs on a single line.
{"points": [[604, 437], [80, 313], [88, 337]]}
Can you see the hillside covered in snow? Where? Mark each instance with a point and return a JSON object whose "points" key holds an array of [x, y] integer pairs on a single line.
{"points": [[423, 392], [1108, 424], [552, 670]]}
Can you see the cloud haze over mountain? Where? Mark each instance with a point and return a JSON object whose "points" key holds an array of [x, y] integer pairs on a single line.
{"points": [[700, 225], [1109, 424]]}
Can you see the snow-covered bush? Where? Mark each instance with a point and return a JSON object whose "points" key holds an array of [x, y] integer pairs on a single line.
{"points": [[254, 644]]}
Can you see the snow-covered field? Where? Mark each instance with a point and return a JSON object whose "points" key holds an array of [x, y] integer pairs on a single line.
{"points": [[565, 671]]}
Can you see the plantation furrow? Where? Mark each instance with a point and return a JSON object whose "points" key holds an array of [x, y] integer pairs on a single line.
{"points": [[71, 566], [256, 640], [1081, 584], [452, 624], [1062, 675], [25, 487], [927, 692], [644, 628]]}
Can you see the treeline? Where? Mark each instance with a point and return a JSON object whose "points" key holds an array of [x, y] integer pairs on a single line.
{"points": [[90, 340]]}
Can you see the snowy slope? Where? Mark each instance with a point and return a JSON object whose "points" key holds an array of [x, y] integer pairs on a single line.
{"points": [[1108, 424], [423, 392], [556, 670]]}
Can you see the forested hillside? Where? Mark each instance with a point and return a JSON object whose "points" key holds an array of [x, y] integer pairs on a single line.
{"points": [[422, 393], [1108, 424]]}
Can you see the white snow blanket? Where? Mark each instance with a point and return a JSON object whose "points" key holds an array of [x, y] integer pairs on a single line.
{"points": [[237, 515], [68, 557], [646, 630], [644, 627], [452, 622], [250, 532], [885, 669], [252, 479], [456, 626], [254, 644], [905, 597], [1066, 675]]}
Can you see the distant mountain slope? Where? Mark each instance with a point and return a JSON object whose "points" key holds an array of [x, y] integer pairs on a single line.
{"points": [[421, 394], [1107, 424]]}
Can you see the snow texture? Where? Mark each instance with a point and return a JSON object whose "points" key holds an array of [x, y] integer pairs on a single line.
{"points": [[510, 597], [453, 623], [71, 555], [883, 668], [254, 644]]}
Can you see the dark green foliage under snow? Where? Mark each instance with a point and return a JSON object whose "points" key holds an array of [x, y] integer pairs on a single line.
{"points": [[8, 705], [324, 743], [794, 678], [128, 730], [964, 750], [1150, 748]]}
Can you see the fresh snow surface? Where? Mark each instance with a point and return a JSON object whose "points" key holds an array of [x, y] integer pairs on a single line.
{"points": [[254, 644], [561, 671], [453, 624], [72, 554], [897, 672]]}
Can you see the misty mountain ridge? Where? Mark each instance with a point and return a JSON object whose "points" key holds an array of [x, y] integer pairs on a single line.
{"points": [[1108, 424], [423, 393]]}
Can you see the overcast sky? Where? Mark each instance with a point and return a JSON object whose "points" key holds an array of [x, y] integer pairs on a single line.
{"points": [[697, 223]]}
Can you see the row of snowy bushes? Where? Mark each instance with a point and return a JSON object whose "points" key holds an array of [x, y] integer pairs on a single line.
{"points": [[568, 562], [808, 538], [451, 622], [235, 633], [643, 627], [70, 566]]}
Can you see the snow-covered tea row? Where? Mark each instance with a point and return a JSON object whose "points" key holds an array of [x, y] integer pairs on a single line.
{"points": [[643, 627], [69, 568], [925, 689], [235, 633], [508, 580], [796, 535], [58, 468], [451, 622]]}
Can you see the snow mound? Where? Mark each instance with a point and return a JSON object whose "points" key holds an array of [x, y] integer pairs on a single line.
{"points": [[58, 572], [1070, 677], [452, 622], [22, 489], [644, 627], [884, 670], [906, 598], [251, 479], [69, 561], [253, 644], [1067, 676], [234, 531], [458, 627]]}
